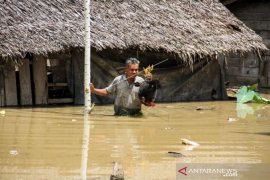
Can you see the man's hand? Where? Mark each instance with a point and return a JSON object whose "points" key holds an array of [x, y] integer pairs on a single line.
{"points": [[148, 76], [100, 92], [92, 88]]}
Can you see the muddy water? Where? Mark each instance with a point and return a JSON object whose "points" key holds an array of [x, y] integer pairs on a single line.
{"points": [[57, 143]]}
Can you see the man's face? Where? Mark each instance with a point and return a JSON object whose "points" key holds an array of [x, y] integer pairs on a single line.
{"points": [[132, 70]]}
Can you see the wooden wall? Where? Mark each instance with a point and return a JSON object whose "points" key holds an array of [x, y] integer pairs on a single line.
{"points": [[40, 80], [78, 76], [2, 87], [25, 85], [242, 70], [256, 15], [177, 83], [10, 86]]}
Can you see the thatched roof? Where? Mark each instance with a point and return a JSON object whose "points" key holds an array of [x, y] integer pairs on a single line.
{"points": [[187, 28]]}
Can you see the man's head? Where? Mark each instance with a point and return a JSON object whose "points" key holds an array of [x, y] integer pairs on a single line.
{"points": [[132, 67]]}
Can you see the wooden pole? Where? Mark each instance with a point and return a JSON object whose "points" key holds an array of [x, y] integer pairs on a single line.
{"points": [[87, 57], [87, 93]]}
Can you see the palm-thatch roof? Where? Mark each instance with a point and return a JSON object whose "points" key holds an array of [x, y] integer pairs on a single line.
{"points": [[187, 28]]}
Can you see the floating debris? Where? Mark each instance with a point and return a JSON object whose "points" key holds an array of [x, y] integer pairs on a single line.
{"points": [[2, 112], [118, 172], [199, 108], [188, 142], [91, 108], [169, 107], [231, 92], [13, 152], [176, 154], [189, 147], [230, 119]]}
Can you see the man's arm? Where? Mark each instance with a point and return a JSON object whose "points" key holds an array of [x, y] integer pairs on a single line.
{"points": [[100, 92]]}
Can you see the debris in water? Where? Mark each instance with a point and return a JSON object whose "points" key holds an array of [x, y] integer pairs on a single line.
{"points": [[176, 154], [188, 142], [91, 107], [168, 128], [199, 108], [230, 119], [231, 92], [13, 152], [118, 172], [189, 148], [169, 106], [2, 112]]}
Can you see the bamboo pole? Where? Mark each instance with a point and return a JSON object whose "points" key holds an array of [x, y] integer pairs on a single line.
{"points": [[87, 93], [87, 57]]}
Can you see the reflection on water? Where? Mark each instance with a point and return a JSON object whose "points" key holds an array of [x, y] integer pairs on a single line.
{"points": [[251, 109], [85, 145], [243, 110], [57, 143]]}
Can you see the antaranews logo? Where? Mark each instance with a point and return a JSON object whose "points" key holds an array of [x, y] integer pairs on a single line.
{"points": [[221, 170], [183, 171]]}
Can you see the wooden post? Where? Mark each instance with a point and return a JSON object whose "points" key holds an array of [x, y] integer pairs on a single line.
{"points": [[87, 57], [25, 83], [40, 80], [87, 93]]}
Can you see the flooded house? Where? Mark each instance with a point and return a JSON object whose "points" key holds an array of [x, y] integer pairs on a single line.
{"points": [[249, 68], [42, 56]]}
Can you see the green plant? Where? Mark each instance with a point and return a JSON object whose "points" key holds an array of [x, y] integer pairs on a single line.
{"points": [[249, 94]]}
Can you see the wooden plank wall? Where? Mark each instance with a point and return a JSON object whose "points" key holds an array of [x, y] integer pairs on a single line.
{"points": [[2, 88], [25, 83], [242, 70], [10, 85], [40, 80], [78, 70], [256, 15]]}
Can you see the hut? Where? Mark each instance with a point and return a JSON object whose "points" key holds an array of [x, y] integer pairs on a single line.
{"points": [[41, 47], [249, 69]]}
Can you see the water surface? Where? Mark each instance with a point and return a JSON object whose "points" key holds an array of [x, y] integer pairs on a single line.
{"points": [[53, 143]]}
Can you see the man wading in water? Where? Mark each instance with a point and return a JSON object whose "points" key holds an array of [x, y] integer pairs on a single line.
{"points": [[126, 93]]}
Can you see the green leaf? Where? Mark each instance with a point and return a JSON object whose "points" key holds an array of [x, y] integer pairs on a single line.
{"points": [[254, 87], [244, 95], [247, 94], [257, 98]]}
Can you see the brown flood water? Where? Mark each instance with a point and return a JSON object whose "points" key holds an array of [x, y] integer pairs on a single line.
{"points": [[47, 143]]}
